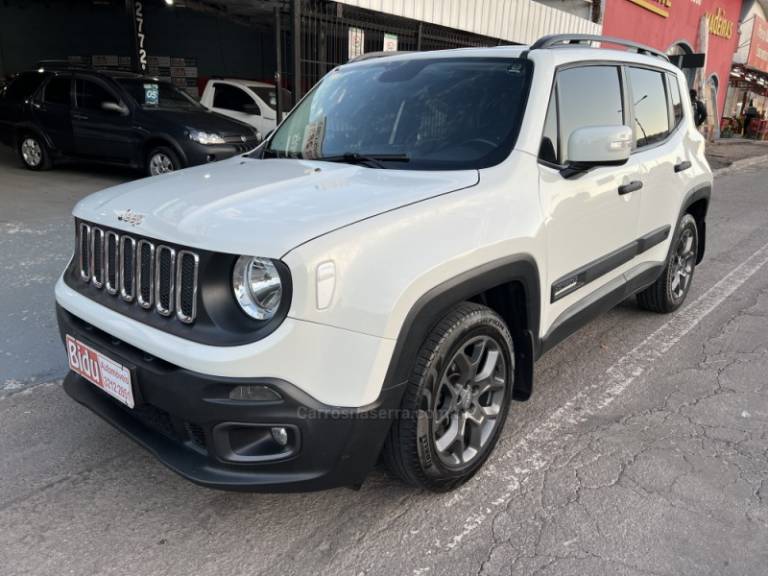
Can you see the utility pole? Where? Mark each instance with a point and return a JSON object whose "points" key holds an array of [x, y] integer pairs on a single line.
{"points": [[296, 36]]}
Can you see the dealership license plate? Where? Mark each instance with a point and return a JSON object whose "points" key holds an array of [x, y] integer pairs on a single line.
{"points": [[110, 376]]}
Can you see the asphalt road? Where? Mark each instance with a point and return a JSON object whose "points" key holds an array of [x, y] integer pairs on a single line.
{"points": [[643, 450]]}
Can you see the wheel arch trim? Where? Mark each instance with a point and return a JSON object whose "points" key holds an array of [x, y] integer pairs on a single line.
{"points": [[160, 139], [427, 311], [699, 193]]}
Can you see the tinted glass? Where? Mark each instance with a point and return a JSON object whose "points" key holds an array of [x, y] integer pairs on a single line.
{"points": [[151, 94], [230, 98], [22, 87], [674, 93], [269, 96], [650, 104], [91, 95], [57, 91], [548, 150], [439, 114], [588, 96]]}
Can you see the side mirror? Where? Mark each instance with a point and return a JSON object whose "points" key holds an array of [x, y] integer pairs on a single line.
{"points": [[252, 109], [593, 146], [121, 109]]}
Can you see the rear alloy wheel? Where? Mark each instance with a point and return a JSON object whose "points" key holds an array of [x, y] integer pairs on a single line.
{"points": [[455, 402], [162, 160], [670, 290], [33, 152]]}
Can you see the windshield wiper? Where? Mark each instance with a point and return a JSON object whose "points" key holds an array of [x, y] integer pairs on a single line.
{"points": [[373, 159]]}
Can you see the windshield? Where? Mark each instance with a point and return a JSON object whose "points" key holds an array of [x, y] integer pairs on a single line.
{"points": [[437, 114], [150, 94]]}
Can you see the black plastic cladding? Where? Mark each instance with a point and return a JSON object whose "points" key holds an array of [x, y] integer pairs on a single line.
{"points": [[220, 321]]}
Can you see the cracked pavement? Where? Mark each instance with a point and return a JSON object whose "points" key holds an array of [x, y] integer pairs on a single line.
{"points": [[644, 451]]}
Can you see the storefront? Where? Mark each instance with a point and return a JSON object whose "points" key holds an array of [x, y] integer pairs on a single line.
{"points": [[748, 86], [684, 27]]}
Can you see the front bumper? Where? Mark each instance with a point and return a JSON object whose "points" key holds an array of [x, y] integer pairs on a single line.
{"points": [[180, 417]]}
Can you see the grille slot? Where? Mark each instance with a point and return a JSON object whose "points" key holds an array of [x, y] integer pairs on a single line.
{"points": [[84, 243], [155, 277], [127, 268], [111, 260], [186, 286], [164, 279], [145, 271], [97, 257]]}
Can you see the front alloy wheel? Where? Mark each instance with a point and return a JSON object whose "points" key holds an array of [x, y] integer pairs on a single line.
{"points": [[455, 402], [468, 401], [162, 160]]}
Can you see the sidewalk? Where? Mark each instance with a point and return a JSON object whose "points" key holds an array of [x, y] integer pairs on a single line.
{"points": [[724, 152]]}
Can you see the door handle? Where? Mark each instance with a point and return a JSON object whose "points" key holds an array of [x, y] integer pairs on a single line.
{"points": [[79, 117], [633, 186], [684, 165]]}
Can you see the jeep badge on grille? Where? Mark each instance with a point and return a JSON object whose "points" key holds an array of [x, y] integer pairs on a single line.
{"points": [[130, 217]]}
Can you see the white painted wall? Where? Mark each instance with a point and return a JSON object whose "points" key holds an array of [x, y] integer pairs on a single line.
{"points": [[520, 21]]}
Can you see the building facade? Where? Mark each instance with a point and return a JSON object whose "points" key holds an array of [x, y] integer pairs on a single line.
{"points": [[685, 27], [749, 76]]}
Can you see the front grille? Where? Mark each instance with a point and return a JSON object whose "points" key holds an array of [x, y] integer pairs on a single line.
{"points": [[139, 271]]}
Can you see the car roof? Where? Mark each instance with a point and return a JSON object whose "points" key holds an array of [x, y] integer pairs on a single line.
{"points": [[550, 55]]}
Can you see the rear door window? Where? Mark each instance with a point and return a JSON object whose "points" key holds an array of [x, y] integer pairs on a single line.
{"points": [[587, 96], [58, 91], [649, 101]]}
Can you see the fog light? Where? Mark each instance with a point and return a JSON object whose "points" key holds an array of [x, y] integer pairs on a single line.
{"points": [[254, 393], [280, 435]]}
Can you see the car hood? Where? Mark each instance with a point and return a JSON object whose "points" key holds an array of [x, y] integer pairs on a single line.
{"points": [[205, 121], [261, 207]]}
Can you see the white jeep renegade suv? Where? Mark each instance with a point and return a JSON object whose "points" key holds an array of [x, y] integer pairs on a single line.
{"points": [[377, 279]]}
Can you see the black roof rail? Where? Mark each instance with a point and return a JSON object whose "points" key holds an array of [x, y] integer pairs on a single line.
{"points": [[560, 40]]}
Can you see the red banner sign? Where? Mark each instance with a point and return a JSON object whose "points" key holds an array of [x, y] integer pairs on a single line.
{"points": [[758, 48]]}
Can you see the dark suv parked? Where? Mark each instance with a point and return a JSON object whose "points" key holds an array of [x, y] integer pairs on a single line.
{"points": [[113, 117]]}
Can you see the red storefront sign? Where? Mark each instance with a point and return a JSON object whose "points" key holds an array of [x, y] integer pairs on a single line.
{"points": [[758, 47]]}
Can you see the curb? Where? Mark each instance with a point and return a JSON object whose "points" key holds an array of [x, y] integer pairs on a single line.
{"points": [[741, 164]]}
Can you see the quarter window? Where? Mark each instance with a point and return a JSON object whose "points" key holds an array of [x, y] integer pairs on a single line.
{"points": [[57, 91], [650, 105], [588, 96], [674, 93], [230, 98]]}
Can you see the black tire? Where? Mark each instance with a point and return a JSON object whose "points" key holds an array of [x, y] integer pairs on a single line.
{"points": [[33, 152], [161, 154], [431, 405], [666, 294]]}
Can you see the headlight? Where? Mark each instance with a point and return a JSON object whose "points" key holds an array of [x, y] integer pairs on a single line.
{"points": [[205, 137], [257, 286]]}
